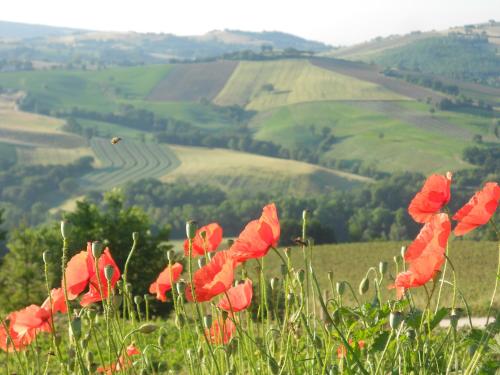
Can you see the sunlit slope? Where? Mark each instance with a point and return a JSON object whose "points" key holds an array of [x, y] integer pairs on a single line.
{"points": [[268, 84], [232, 169]]}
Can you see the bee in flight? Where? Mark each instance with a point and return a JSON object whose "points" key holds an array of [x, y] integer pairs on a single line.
{"points": [[115, 140]]}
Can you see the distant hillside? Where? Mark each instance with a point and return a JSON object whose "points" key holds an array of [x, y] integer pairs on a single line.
{"points": [[15, 30], [90, 48]]}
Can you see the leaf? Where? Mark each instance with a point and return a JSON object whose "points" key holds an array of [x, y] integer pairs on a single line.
{"points": [[441, 313], [380, 341]]}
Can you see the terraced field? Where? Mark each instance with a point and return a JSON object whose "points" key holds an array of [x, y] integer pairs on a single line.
{"points": [[50, 155], [268, 84], [128, 161], [192, 82]]}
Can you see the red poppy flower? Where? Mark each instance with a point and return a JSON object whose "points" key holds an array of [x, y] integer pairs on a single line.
{"points": [[479, 210], [58, 301], [96, 289], [425, 255], [258, 236], [214, 278], [206, 240], [433, 196], [164, 282], [30, 321], [240, 297], [342, 351], [18, 342], [221, 331], [81, 271], [123, 363]]}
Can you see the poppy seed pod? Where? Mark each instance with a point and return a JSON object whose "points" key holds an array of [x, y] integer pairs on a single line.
{"points": [[135, 236], [109, 271], [207, 321], [340, 286], [395, 319], [382, 268], [148, 328], [301, 274], [191, 228], [65, 229], [97, 249], [364, 286]]}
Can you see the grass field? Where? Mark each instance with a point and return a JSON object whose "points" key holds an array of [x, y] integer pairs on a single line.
{"points": [[8, 152], [365, 133], [475, 264], [294, 81], [232, 169], [51, 156]]}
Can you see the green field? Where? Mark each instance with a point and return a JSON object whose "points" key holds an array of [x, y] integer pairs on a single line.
{"points": [[475, 265], [294, 81], [365, 134]]}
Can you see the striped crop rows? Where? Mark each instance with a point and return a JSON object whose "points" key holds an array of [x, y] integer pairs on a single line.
{"points": [[128, 161]]}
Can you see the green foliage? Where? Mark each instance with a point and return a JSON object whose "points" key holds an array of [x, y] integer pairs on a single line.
{"points": [[113, 223]]}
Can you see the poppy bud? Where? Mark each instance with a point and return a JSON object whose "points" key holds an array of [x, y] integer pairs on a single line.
{"points": [[161, 341], [364, 286], [395, 319], [330, 276], [200, 352], [46, 256], [109, 271], [189, 354], [203, 235], [191, 227], [65, 229], [179, 321], [207, 321], [288, 252], [290, 297], [170, 255], [137, 300], [397, 258], [201, 262], [76, 328], [230, 243], [181, 287], [97, 249], [117, 301], [301, 274], [148, 328], [91, 314], [336, 316], [411, 334], [71, 353], [135, 236], [382, 267], [90, 357], [274, 283], [403, 251], [340, 286], [86, 340]]}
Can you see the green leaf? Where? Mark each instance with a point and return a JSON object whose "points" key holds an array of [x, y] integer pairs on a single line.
{"points": [[380, 341], [441, 313]]}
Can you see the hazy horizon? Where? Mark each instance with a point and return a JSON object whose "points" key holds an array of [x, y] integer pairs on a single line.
{"points": [[341, 24]]}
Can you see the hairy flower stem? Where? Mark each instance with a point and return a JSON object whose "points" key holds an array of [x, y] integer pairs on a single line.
{"points": [[197, 306], [497, 278]]}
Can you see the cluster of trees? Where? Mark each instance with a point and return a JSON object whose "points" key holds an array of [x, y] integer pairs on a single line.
{"points": [[423, 80], [469, 58], [25, 189], [7, 65], [465, 104]]}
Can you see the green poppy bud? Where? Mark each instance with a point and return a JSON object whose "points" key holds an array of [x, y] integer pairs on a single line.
{"points": [[288, 252], [76, 328], [90, 357], [364, 286], [148, 328], [301, 275], [65, 229], [201, 262], [117, 301], [179, 321], [207, 321], [403, 251], [274, 283], [137, 300], [170, 255], [181, 287], [97, 249], [330, 276], [395, 319], [135, 236], [109, 271], [191, 228], [305, 215], [340, 286], [230, 243], [382, 268], [454, 317], [411, 334]]}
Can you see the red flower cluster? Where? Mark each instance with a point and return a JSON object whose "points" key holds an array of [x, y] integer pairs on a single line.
{"points": [[81, 272], [206, 240], [426, 254], [342, 351], [165, 281]]}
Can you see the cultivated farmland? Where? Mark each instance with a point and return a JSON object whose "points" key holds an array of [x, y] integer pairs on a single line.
{"points": [[264, 85], [192, 82], [128, 161]]}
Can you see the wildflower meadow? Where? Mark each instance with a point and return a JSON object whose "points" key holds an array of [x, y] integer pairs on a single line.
{"points": [[229, 317]]}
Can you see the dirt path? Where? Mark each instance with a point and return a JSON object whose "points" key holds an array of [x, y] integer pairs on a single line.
{"points": [[477, 322]]}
